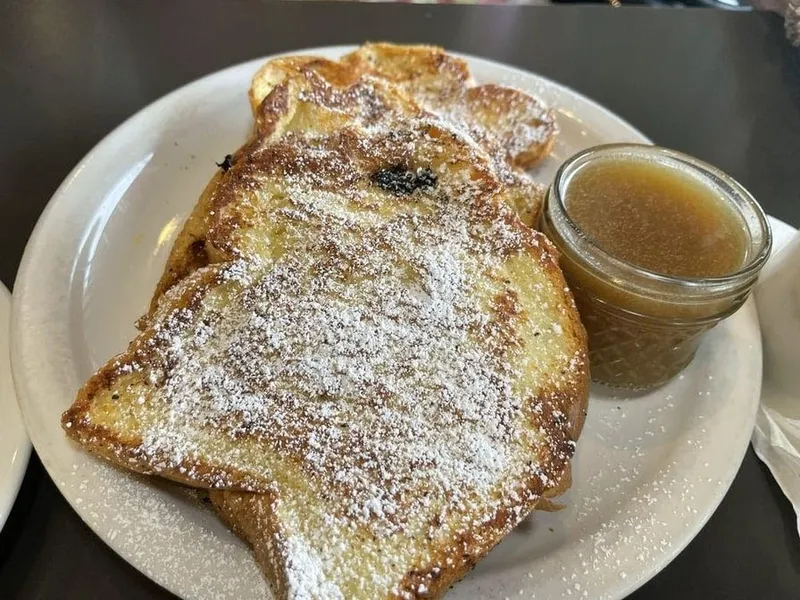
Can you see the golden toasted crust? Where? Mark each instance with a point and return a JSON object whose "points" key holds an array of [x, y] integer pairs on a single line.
{"points": [[189, 251], [427, 72], [524, 128], [521, 125], [404, 220], [516, 128], [107, 423]]}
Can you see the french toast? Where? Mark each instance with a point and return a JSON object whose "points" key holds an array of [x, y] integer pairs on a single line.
{"points": [[516, 129], [519, 127], [372, 362], [376, 85]]}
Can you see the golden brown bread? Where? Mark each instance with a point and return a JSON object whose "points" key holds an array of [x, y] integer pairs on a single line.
{"points": [[517, 127], [379, 84], [258, 214], [359, 328], [168, 419], [514, 128]]}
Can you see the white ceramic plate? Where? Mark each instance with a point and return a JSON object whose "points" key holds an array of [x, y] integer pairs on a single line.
{"points": [[14, 445], [648, 473]]}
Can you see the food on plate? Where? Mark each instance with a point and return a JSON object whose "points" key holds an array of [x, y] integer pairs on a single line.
{"points": [[516, 129], [357, 344], [374, 87], [658, 247]]}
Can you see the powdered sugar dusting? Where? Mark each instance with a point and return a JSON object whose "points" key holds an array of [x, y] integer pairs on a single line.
{"points": [[386, 330], [306, 577], [368, 336]]}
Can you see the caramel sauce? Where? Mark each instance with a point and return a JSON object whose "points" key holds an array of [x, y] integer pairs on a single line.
{"points": [[656, 218], [661, 219]]}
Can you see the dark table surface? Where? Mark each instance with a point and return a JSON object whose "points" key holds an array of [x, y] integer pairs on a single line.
{"points": [[722, 86]]}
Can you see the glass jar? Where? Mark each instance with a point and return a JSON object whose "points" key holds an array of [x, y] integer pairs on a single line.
{"points": [[644, 327]]}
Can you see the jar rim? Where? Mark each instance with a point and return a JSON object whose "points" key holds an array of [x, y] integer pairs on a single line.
{"points": [[735, 193]]}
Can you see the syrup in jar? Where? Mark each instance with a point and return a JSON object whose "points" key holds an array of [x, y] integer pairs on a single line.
{"points": [[657, 248]]}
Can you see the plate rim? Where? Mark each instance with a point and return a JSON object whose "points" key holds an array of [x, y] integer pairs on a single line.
{"points": [[21, 449], [693, 531], [165, 100]]}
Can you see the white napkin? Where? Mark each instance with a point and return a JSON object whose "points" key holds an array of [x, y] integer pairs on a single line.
{"points": [[776, 438]]}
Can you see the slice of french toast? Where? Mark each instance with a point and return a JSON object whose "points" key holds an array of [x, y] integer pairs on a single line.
{"points": [[387, 198], [520, 127], [315, 96], [378, 344], [516, 129]]}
